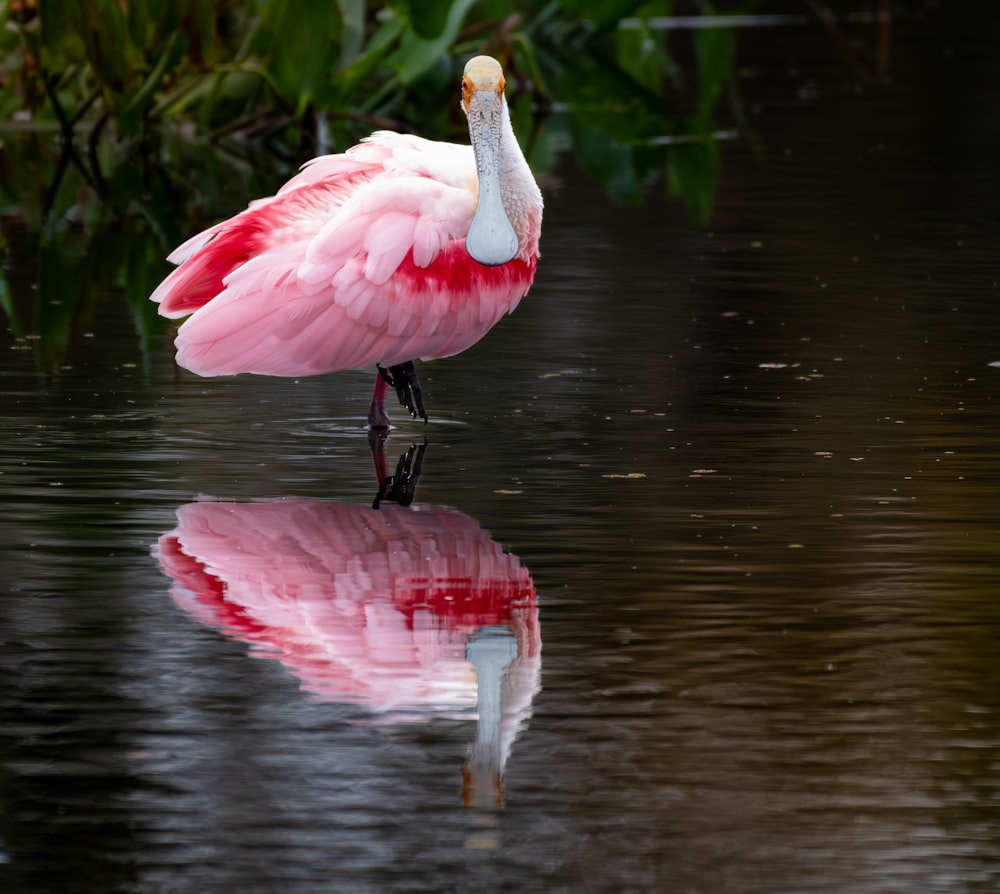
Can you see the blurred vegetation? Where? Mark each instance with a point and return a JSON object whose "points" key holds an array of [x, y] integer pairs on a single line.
{"points": [[155, 116], [298, 77]]}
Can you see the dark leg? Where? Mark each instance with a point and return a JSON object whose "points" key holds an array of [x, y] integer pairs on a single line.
{"points": [[400, 488], [376, 443], [378, 418], [403, 378]]}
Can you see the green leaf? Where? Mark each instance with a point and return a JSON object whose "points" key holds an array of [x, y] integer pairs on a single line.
{"points": [[416, 55], [715, 50], [611, 101], [352, 16], [643, 52], [298, 43], [7, 303], [348, 82], [601, 13], [607, 160], [692, 175], [135, 111], [107, 42], [429, 18]]}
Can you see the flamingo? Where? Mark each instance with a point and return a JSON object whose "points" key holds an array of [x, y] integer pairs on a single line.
{"points": [[397, 249]]}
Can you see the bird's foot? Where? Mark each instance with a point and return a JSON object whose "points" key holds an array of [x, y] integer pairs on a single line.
{"points": [[403, 377], [400, 488]]}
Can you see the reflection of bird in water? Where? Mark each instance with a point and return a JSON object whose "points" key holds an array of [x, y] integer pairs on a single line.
{"points": [[410, 612], [399, 248]]}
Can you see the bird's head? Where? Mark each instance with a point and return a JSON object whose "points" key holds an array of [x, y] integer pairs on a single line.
{"points": [[491, 239], [483, 76]]}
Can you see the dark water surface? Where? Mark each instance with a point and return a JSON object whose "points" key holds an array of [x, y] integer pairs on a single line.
{"points": [[730, 496]]}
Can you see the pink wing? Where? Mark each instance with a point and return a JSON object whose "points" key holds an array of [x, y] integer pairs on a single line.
{"points": [[373, 606], [358, 259]]}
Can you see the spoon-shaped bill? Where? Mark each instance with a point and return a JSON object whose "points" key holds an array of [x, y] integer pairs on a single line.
{"points": [[491, 239]]}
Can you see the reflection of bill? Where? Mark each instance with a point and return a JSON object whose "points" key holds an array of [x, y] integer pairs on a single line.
{"points": [[411, 612]]}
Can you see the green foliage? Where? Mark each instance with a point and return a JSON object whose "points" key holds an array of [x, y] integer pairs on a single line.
{"points": [[257, 70], [165, 106]]}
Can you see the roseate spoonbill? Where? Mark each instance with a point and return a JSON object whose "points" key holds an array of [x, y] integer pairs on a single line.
{"points": [[411, 613], [399, 248]]}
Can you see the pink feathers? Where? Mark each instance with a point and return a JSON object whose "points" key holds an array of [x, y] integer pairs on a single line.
{"points": [[363, 605], [359, 259], [397, 249]]}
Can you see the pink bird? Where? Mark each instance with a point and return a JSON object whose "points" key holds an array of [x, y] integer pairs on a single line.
{"points": [[412, 613], [399, 248]]}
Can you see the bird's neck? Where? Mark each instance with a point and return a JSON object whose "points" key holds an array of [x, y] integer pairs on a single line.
{"points": [[522, 200]]}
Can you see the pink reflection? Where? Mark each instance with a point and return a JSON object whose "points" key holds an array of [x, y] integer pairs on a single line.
{"points": [[409, 611]]}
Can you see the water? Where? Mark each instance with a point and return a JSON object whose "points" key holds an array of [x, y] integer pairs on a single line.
{"points": [[730, 495]]}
